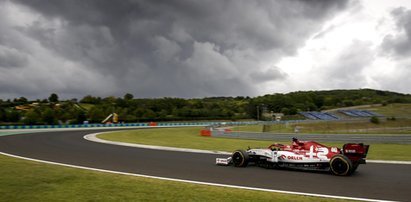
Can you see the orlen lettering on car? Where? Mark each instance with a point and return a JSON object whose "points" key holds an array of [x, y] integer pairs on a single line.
{"points": [[295, 158]]}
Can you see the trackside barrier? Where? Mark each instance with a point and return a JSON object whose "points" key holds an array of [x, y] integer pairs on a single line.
{"points": [[72, 126], [153, 124], [368, 138]]}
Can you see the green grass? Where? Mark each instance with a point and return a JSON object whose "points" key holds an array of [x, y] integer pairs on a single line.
{"points": [[399, 126], [396, 110], [190, 138], [360, 126], [23, 180], [86, 106], [180, 137]]}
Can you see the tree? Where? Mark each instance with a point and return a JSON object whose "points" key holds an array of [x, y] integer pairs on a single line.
{"points": [[48, 116], [3, 115], [149, 115], [80, 117], [91, 100], [348, 103], [128, 96], [96, 114], [375, 120], [293, 111], [22, 100], [13, 116], [31, 118], [319, 101], [285, 111], [53, 98]]}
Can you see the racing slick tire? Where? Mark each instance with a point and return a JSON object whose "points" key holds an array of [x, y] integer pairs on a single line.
{"points": [[240, 158], [341, 165]]}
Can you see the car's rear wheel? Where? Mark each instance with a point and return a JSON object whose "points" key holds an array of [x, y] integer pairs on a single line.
{"points": [[240, 158], [341, 165]]}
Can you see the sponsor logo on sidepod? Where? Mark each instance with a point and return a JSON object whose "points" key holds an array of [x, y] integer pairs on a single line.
{"points": [[294, 158]]}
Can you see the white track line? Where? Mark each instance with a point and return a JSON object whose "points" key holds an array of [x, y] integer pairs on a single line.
{"points": [[196, 182], [93, 137], [389, 162]]}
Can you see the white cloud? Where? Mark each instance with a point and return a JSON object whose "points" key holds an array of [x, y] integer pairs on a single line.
{"points": [[347, 53]]}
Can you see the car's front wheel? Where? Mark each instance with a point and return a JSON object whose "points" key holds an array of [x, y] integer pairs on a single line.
{"points": [[240, 158], [341, 165]]}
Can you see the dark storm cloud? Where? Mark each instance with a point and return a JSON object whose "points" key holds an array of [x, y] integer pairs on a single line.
{"points": [[12, 58], [271, 74], [399, 45], [159, 48]]}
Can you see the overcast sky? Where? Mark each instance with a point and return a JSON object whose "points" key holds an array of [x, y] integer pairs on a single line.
{"points": [[201, 48]]}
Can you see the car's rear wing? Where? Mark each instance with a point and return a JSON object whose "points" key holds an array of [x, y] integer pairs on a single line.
{"points": [[356, 152]]}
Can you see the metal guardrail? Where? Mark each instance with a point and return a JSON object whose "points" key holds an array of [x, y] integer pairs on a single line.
{"points": [[368, 138], [164, 124], [69, 126], [124, 125]]}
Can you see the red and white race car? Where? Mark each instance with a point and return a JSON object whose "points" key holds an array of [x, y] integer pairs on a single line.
{"points": [[303, 155]]}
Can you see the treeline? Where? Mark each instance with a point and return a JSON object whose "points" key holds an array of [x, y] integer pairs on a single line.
{"points": [[130, 109], [166, 109], [47, 111]]}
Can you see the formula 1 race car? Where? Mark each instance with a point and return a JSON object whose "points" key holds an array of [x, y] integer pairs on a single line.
{"points": [[302, 155]]}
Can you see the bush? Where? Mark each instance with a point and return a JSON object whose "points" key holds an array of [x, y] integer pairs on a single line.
{"points": [[375, 120], [49, 117], [31, 117], [391, 118]]}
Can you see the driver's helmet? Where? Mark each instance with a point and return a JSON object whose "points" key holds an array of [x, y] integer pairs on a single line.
{"points": [[295, 143]]}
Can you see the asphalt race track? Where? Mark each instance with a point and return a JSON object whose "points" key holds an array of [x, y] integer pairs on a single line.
{"points": [[372, 181]]}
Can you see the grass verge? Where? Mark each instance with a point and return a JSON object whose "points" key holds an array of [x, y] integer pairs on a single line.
{"points": [[391, 110], [190, 138], [361, 126], [23, 180]]}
